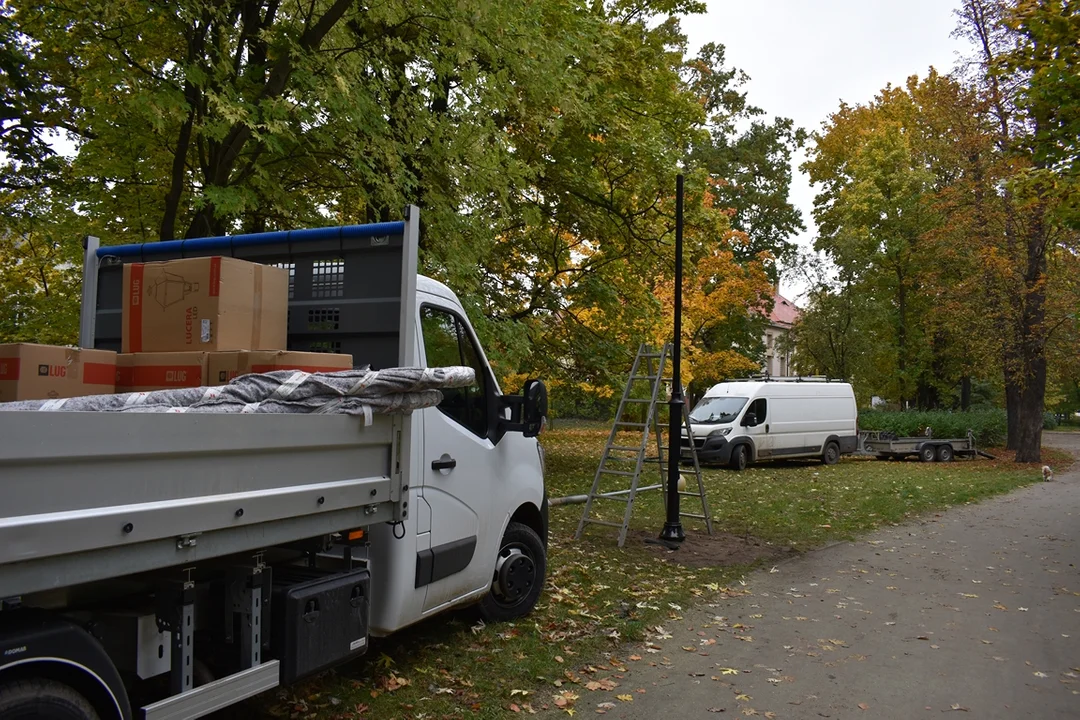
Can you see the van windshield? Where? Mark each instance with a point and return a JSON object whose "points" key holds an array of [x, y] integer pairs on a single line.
{"points": [[713, 410]]}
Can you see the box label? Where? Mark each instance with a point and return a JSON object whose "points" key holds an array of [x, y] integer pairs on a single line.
{"points": [[135, 316], [215, 277], [357, 644], [9, 369]]}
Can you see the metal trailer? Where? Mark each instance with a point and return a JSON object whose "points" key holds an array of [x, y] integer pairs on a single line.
{"points": [[888, 446], [166, 566]]}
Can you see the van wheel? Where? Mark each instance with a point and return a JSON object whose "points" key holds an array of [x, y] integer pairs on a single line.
{"points": [[738, 457], [518, 578], [40, 699], [944, 453], [831, 456], [927, 454]]}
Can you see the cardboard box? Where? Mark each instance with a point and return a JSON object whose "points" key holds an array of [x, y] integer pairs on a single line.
{"points": [[225, 366], [41, 372], [143, 372], [204, 304]]}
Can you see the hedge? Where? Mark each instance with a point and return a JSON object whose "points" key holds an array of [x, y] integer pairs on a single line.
{"points": [[989, 426]]}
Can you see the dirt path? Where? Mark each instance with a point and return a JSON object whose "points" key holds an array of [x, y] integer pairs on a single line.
{"points": [[974, 612]]}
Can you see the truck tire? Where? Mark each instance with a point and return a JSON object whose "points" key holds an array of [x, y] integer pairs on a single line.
{"points": [[927, 453], [519, 575], [831, 455], [739, 457], [944, 453], [40, 699]]}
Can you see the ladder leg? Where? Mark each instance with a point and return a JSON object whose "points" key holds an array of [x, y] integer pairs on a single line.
{"points": [[697, 471]]}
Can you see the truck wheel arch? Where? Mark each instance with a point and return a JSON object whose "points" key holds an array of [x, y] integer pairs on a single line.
{"points": [[62, 651], [534, 517]]}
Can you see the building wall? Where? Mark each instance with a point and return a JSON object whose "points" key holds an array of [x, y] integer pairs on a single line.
{"points": [[777, 363]]}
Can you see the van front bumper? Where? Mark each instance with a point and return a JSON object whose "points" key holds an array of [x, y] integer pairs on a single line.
{"points": [[715, 451]]}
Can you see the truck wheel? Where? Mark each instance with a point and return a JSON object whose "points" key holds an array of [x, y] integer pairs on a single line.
{"points": [[831, 456], [944, 453], [41, 699], [518, 579], [738, 457], [927, 453]]}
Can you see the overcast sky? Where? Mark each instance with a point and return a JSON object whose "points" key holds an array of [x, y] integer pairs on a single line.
{"points": [[805, 56]]}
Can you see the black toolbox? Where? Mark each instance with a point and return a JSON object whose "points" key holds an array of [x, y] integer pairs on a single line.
{"points": [[320, 618]]}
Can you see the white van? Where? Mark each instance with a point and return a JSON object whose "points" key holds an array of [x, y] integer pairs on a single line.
{"points": [[744, 421]]}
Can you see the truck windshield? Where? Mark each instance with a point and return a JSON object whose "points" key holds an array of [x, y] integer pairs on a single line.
{"points": [[712, 410]]}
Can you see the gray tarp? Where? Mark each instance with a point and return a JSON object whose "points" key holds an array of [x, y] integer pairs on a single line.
{"points": [[349, 392]]}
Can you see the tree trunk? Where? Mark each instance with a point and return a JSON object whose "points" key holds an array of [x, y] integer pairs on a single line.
{"points": [[1012, 409], [1029, 432], [965, 393]]}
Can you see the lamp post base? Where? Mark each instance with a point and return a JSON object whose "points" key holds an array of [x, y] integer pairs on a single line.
{"points": [[673, 532]]}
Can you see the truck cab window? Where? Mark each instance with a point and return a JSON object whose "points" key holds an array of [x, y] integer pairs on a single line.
{"points": [[447, 342]]}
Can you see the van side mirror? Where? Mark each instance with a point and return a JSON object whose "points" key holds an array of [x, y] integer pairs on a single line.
{"points": [[534, 416], [528, 411], [749, 419]]}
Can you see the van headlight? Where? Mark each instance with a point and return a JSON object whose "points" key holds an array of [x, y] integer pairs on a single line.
{"points": [[720, 431]]}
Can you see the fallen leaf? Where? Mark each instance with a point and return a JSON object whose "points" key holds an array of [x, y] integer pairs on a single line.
{"points": [[514, 708], [635, 658], [968, 595], [959, 707], [999, 606], [625, 698], [864, 706], [743, 696], [1040, 674], [520, 692], [728, 671]]}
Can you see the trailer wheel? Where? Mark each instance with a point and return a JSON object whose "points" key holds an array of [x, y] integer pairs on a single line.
{"points": [[944, 453], [40, 699], [738, 458], [831, 456], [519, 575], [927, 453]]}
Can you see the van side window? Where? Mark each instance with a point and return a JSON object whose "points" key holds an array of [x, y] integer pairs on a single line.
{"points": [[758, 408], [446, 343]]}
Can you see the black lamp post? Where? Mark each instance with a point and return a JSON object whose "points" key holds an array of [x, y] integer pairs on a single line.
{"points": [[673, 529]]}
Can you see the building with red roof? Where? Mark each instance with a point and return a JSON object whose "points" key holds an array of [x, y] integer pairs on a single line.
{"points": [[784, 314]]}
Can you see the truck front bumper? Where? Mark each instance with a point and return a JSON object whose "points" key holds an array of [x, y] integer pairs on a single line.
{"points": [[715, 451]]}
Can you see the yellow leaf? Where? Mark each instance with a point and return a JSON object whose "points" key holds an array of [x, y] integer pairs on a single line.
{"points": [[728, 671], [625, 698]]}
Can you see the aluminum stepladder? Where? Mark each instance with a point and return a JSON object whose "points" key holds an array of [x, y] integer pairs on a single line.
{"points": [[617, 460]]}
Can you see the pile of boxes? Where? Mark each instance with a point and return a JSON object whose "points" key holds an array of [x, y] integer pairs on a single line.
{"points": [[186, 323]]}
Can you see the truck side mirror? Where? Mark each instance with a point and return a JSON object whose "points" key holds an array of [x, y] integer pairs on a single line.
{"points": [[749, 419], [535, 412]]}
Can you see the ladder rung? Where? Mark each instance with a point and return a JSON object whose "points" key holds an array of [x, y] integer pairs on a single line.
{"points": [[610, 496], [630, 424], [603, 522], [699, 517], [624, 447], [617, 472], [637, 400], [689, 494], [649, 487], [655, 355], [643, 377]]}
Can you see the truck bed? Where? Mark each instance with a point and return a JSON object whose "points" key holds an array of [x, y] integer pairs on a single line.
{"points": [[89, 496]]}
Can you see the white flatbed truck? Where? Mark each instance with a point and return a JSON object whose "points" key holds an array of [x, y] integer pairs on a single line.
{"points": [[165, 566]]}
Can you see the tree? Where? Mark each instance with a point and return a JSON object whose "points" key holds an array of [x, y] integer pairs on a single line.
{"points": [[1008, 70]]}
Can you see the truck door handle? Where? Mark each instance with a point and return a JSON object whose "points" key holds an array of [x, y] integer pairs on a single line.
{"points": [[766, 427], [444, 463]]}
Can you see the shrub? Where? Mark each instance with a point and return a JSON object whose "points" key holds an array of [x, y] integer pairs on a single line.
{"points": [[990, 426], [1050, 421]]}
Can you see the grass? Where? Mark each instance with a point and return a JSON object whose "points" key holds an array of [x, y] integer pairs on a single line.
{"points": [[599, 597]]}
